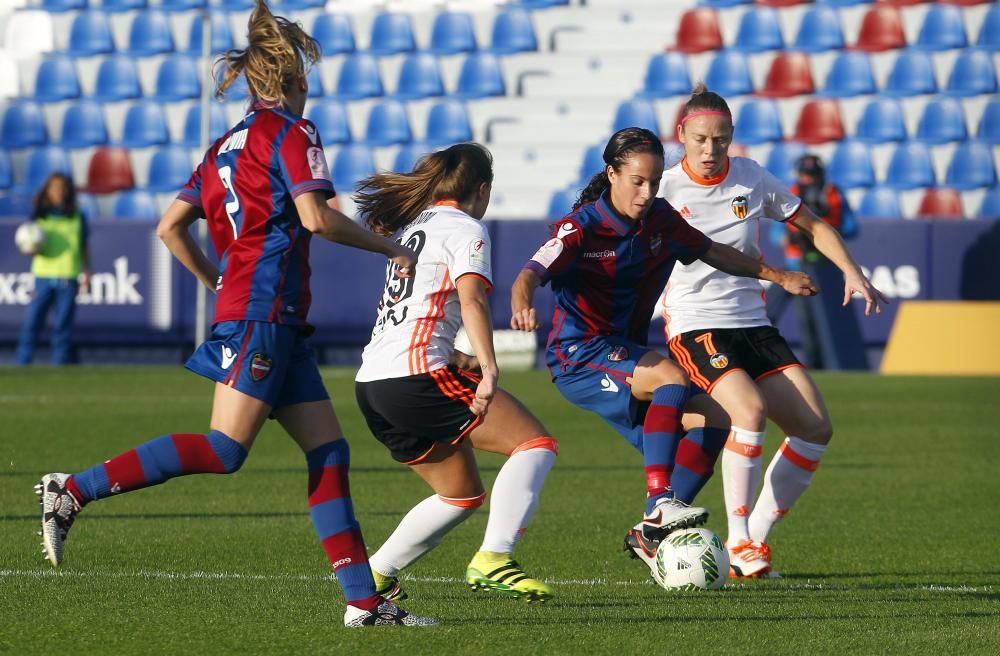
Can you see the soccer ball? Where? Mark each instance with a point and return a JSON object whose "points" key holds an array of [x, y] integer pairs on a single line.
{"points": [[29, 238], [692, 559]]}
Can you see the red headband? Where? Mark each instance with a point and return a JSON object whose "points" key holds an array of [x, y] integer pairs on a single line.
{"points": [[706, 113]]}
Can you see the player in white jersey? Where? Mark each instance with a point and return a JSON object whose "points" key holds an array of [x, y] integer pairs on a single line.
{"points": [[429, 413], [718, 330]]}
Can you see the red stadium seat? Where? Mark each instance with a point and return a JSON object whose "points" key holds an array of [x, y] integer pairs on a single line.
{"points": [[881, 29], [790, 75], [819, 122], [698, 31], [940, 203], [109, 171]]}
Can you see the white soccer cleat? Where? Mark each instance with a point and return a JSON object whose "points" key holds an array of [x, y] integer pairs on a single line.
{"points": [[59, 509], [387, 614], [749, 559], [670, 514]]}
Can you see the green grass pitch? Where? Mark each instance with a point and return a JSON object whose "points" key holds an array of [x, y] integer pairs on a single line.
{"points": [[894, 549]]}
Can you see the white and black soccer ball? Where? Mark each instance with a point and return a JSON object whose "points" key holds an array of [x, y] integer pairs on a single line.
{"points": [[29, 238], [692, 559]]}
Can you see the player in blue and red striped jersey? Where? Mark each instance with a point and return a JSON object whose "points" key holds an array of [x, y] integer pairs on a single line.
{"points": [[608, 262], [263, 188]]}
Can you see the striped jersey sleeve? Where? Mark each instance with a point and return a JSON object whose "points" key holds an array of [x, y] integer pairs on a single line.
{"points": [[302, 161], [559, 253]]}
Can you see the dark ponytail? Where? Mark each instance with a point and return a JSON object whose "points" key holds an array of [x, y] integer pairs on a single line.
{"points": [[620, 147]]}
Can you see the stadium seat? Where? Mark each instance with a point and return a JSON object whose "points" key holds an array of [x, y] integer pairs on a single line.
{"points": [[330, 118], [239, 90], [6, 171], [819, 30], [56, 80], [452, 32], [989, 123], [943, 29], [781, 3], [90, 34], [973, 74], [407, 156], [222, 36], [135, 204], [109, 171], [15, 204], [881, 29], [183, 5], [513, 31], [315, 83], [989, 33], [941, 203], [759, 31], [145, 125], [150, 34], [56, 6], [169, 169], [819, 122], [359, 77], [728, 74], [116, 6], [789, 75], [880, 203], [481, 77], [117, 79], [593, 162], [352, 163], [725, 3], [419, 77], [851, 165], [23, 125], [850, 75], [990, 207], [178, 79], [667, 75], [217, 125], [391, 34], [388, 124], [300, 4], [971, 166], [758, 122], [43, 162], [698, 31], [636, 113], [562, 203], [943, 120], [83, 125], [87, 205], [334, 33], [882, 121], [911, 167], [912, 74], [448, 123]]}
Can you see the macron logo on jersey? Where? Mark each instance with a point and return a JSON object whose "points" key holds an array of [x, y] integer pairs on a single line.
{"points": [[608, 385], [228, 355], [310, 132], [565, 230]]}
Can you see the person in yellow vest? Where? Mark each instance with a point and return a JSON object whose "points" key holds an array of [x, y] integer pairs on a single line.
{"points": [[57, 268]]}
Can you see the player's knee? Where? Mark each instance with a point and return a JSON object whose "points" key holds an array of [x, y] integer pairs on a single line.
{"points": [[820, 432], [230, 453]]}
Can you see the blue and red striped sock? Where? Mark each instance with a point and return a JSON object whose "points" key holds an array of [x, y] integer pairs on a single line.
{"points": [[332, 515], [157, 461], [696, 456], [661, 432]]}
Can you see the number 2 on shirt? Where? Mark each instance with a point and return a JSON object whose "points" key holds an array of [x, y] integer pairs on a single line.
{"points": [[232, 206]]}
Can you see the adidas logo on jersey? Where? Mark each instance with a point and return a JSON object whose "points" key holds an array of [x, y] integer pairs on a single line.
{"points": [[686, 213]]}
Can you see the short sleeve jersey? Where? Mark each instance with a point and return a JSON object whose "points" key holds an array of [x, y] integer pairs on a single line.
{"points": [[727, 208], [418, 317], [608, 273], [246, 185]]}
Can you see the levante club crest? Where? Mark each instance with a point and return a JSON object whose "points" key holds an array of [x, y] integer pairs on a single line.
{"points": [[260, 366], [618, 354], [655, 243], [740, 205]]}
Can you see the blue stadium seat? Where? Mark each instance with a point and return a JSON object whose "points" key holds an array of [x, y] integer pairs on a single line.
{"points": [[819, 30], [407, 156], [334, 33], [352, 163], [636, 113], [943, 29], [56, 6], [359, 77], [513, 31], [562, 203], [990, 207], [16, 203], [117, 79], [782, 159], [135, 204], [178, 79], [844, 3], [943, 120], [222, 36], [759, 31], [285, 5], [989, 124], [43, 162], [217, 125], [169, 169], [882, 121], [183, 5], [90, 34], [911, 167], [150, 34], [388, 124], [315, 83], [145, 125], [87, 205], [758, 122], [6, 171], [971, 166], [330, 118], [448, 123], [851, 165], [83, 125], [56, 80], [912, 75], [237, 91], [481, 77], [23, 125], [419, 77], [593, 162], [391, 34], [453, 32], [542, 4], [880, 203], [116, 6], [850, 75], [667, 75], [973, 74], [989, 33], [728, 74], [725, 3]]}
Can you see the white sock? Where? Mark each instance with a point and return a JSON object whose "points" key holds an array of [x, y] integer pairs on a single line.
{"points": [[787, 477], [515, 495], [740, 475], [421, 530]]}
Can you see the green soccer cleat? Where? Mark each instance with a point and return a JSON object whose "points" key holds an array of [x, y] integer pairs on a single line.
{"points": [[498, 571]]}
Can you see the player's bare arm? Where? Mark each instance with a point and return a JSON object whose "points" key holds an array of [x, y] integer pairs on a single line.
{"points": [[173, 232], [522, 295], [479, 327], [729, 260]]}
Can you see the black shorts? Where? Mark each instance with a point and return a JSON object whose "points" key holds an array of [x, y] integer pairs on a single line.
{"points": [[709, 355], [411, 415]]}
